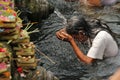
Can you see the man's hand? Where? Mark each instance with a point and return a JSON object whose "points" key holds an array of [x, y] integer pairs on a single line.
{"points": [[62, 35]]}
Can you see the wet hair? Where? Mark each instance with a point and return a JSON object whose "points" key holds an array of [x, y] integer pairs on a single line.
{"points": [[77, 23]]}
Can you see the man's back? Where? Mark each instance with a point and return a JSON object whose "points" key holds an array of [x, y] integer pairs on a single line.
{"points": [[103, 45]]}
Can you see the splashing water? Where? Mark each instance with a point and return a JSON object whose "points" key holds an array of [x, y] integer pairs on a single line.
{"points": [[60, 16], [67, 66]]}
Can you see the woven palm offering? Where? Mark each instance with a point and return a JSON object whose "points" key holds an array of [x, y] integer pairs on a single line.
{"points": [[4, 3], [9, 31], [26, 59], [8, 15], [23, 38], [3, 67], [26, 62], [19, 22], [7, 3], [27, 66], [24, 49], [24, 34], [5, 60], [17, 52], [4, 50], [2, 7], [25, 54], [9, 37]]}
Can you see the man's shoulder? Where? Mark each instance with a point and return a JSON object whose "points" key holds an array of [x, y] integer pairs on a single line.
{"points": [[103, 34], [102, 37]]}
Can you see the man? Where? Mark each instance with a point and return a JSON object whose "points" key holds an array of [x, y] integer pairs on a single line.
{"points": [[102, 43]]}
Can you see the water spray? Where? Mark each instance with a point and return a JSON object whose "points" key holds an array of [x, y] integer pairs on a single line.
{"points": [[56, 11]]}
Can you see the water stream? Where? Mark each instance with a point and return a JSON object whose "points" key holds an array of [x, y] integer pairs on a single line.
{"points": [[66, 65]]}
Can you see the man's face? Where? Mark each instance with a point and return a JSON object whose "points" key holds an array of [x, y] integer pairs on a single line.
{"points": [[80, 36]]}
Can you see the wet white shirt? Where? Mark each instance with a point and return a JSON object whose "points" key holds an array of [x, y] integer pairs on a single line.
{"points": [[103, 45]]}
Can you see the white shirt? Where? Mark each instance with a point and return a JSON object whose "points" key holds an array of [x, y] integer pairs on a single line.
{"points": [[103, 45]]}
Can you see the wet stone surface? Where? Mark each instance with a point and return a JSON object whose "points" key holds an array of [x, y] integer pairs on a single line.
{"points": [[67, 66]]}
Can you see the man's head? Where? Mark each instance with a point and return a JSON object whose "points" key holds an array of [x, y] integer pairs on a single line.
{"points": [[78, 27]]}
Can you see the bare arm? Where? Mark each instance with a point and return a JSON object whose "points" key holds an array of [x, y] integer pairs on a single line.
{"points": [[80, 54], [115, 76], [63, 35]]}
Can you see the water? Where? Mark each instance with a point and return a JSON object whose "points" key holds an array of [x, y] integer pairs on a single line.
{"points": [[60, 16], [67, 66]]}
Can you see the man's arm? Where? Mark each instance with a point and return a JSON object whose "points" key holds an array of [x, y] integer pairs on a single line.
{"points": [[115, 76], [76, 49], [80, 54], [62, 35]]}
